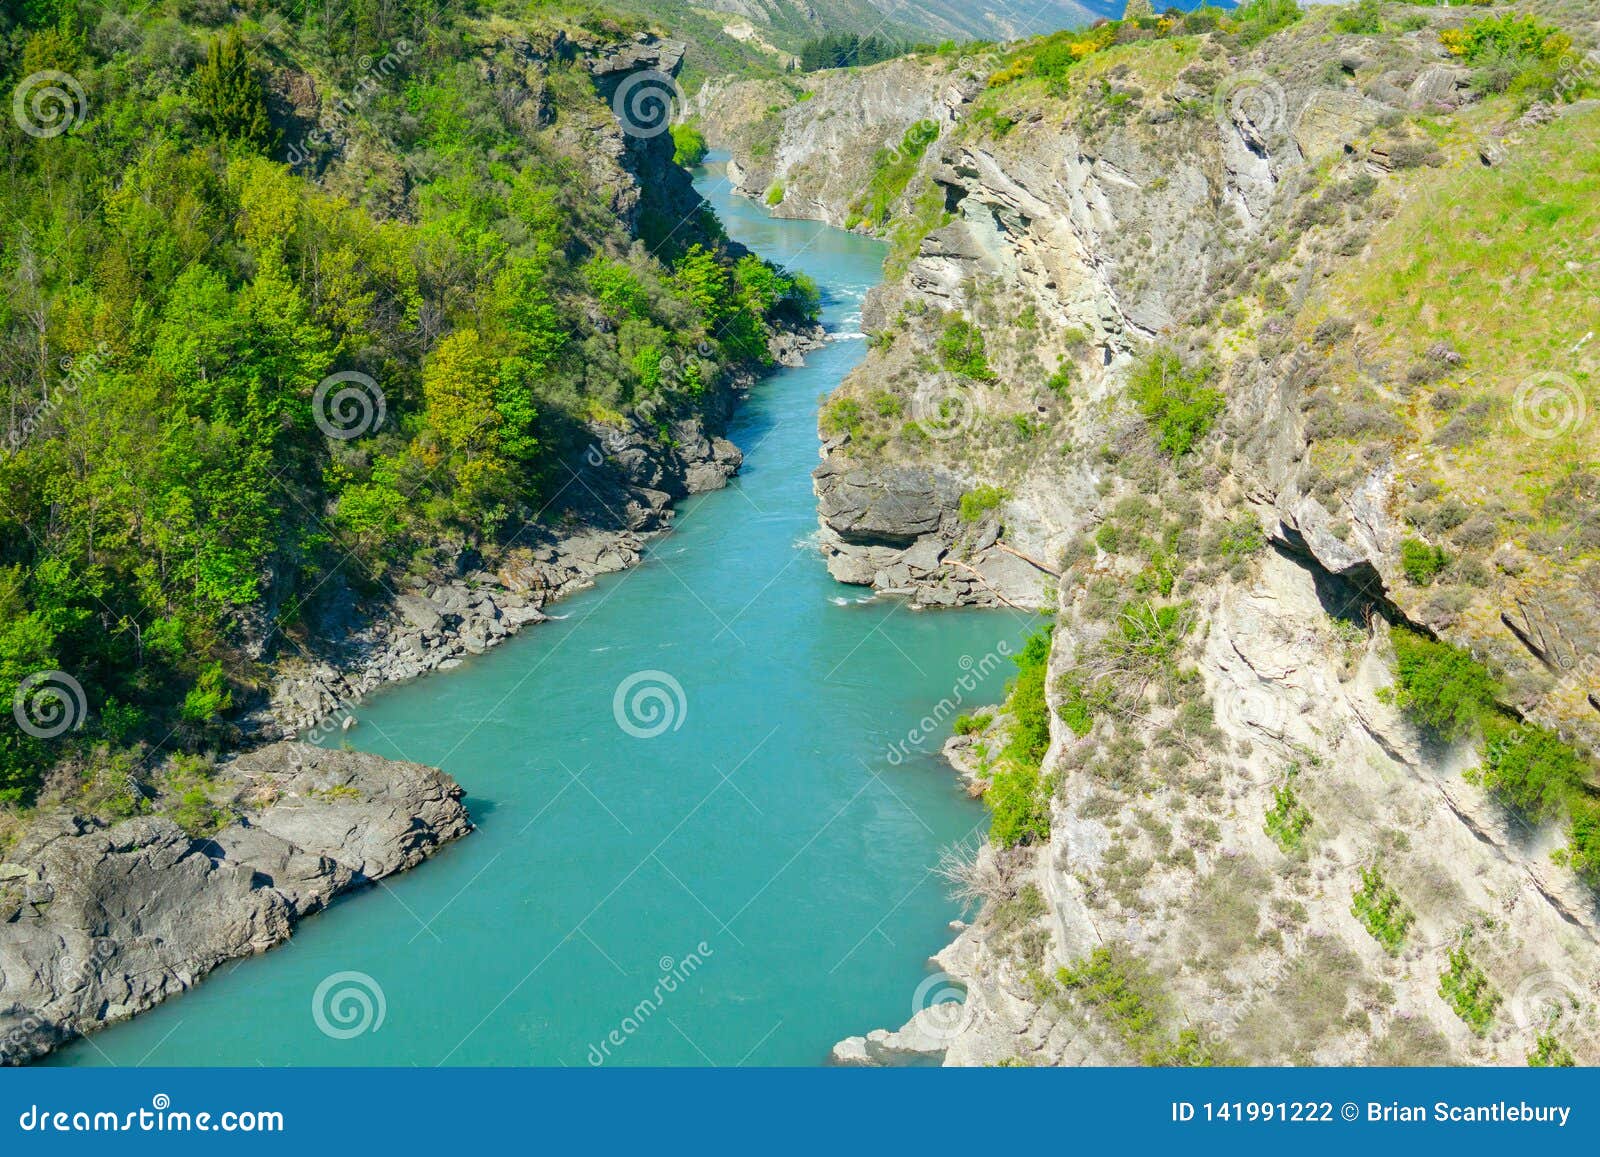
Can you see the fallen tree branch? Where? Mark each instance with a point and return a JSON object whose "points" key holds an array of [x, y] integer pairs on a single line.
{"points": [[1033, 562]]}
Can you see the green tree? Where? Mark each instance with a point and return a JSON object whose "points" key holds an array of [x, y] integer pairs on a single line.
{"points": [[229, 97]]}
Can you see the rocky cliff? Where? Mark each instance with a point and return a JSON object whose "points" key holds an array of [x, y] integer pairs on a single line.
{"points": [[100, 921], [1182, 335]]}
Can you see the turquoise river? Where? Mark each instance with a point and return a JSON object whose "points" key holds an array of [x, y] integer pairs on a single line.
{"points": [[747, 887]]}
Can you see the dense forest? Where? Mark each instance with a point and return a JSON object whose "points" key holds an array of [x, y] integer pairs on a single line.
{"points": [[298, 300], [847, 49]]}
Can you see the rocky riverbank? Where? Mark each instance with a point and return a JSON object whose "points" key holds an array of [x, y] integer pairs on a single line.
{"points": [[617, 492], [104, 921]]}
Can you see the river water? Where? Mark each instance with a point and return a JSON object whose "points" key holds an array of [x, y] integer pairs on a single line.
{"points": [[748, 886]]}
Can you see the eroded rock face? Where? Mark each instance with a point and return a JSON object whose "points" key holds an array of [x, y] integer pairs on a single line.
{"points": [[99, 923], [811, 159], [893, 506]]}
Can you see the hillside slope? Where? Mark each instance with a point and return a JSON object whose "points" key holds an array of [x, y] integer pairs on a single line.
{"points": [[330, 347], [1214, 336]]}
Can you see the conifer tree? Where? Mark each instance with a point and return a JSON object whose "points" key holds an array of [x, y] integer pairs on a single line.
{"points": [[231, 100]]}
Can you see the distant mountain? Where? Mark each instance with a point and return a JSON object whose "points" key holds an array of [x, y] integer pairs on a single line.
{"points": [[787, 23]]}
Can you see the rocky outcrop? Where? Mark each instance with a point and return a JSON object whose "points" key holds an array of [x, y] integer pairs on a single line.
{"points": [[813, 157], [900, 531], [100, 922]]}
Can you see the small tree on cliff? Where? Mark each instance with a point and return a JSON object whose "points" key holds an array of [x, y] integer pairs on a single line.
{"points": [[1139, 10]]}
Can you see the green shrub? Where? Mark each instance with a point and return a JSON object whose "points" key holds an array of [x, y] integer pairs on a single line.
{"points": [[1287, 820], [841, 416], [229, 97], [1516, 53], [1019, 806], [1381, 912], [1467, 990], [1176, 400], [1421, 561], [1441, 687], [1060, 382], [979, 501], [1549, 1053], [1364, 18], [961, 350], [1026, 704], [1019, 794], [688, 145], [209, 697], [1236, 540], [1123, 991], [775, 194], [972, 724], [1259, 19], [1530, 768], [1151, 634], [1080, 701], [1582, 853]]}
